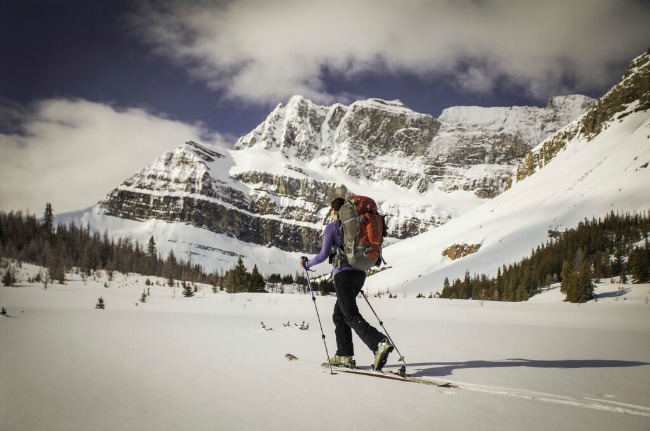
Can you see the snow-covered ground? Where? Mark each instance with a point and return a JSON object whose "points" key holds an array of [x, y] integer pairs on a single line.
{"points": [[206, 363]]}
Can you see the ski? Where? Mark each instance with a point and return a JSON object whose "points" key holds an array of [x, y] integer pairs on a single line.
{"points": [[386, 374], [391, 375]]}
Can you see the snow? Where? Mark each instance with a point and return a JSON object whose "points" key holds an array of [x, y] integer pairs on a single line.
{"points": [[209, 249], [587, 179], [206, 363]]}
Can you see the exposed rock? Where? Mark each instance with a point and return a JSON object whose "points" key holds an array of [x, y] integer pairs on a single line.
{"points": [[458, 251]]}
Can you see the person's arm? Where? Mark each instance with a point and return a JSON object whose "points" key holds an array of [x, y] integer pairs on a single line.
{"points": [[328, 241]]}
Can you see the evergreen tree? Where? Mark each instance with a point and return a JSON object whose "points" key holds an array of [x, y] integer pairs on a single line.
{"points": [[57, 268], [521, 294], [447, 289], [257, 283], [598, 266], [152, 257], [237, 279], [26, 237], [585, 284], [639, 264], [151, 247], [9, 278], [572, 289], [188, 292], [48, 222], [565, 276], [100, 304]]}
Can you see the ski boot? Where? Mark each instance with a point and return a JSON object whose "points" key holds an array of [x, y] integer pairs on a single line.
{"points": [[381, 355], [342, 361]]}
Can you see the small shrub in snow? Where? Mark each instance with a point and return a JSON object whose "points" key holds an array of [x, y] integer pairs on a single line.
{"points": [[100, 304], [9, 279], [188, 291]]}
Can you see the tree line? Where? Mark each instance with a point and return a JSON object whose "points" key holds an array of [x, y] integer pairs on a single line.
{"points": [[614, 246], [25, 237]]}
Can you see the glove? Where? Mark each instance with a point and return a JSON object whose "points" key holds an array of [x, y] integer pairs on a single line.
{"points": [[303, 261]]}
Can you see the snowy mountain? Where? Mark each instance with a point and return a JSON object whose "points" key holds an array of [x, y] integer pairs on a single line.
{"points": [[272, 189], [600, 164], [467, 148]]}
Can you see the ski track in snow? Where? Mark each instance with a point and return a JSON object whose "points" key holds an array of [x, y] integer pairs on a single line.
{"points": [[587, 403]]}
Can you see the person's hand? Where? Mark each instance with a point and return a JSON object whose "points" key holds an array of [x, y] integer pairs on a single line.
{"points": [[303, 261]]}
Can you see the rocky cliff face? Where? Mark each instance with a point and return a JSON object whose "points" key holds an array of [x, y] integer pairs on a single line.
{"points": [[192, 185], [467, 148], [631, 94], [273, 188]]}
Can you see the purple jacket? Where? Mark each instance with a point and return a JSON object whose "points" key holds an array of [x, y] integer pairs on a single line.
{"points": [[332, 238]]}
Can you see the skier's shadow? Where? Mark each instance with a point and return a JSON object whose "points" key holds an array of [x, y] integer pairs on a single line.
{"points": [[442, 369]]}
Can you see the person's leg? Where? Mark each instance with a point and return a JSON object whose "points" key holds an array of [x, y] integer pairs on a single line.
{"points": [[344, 345], [348, 284]]}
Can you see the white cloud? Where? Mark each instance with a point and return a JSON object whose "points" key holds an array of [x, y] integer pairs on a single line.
{"points": [[71, 153], [265, 51], [475, 80]]}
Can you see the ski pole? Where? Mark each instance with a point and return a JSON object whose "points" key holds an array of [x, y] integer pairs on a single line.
{"points": [[313, 297], [401, 357]]}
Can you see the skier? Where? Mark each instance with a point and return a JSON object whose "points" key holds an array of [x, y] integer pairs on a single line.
{"points": [[348, 282]]}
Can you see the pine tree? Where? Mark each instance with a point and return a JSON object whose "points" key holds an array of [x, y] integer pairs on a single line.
{"points": [[598, 266], [572, 289], [8, 279], [151, 247], [445, 288], [188, 292], [57, 268], [585, 284], [237, 279], [521, 294], [639, 264], [48, 222], [257, 283], [152, 257], [565, 276]]}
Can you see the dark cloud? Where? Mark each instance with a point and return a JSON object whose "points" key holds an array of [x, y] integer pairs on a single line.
{"points": [[262, 52]]}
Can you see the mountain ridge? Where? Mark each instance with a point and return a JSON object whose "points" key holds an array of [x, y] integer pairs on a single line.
{"points": [[269, 193], [631, 94]]}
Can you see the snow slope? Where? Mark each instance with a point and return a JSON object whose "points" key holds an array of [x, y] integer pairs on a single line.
{"points": [[205, 363], [587, 179]]}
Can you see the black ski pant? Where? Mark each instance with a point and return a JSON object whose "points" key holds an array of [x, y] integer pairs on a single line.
{"points": [[346, 316]]}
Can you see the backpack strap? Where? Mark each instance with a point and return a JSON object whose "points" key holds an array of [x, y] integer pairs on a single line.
{"points": [[337, 256]]}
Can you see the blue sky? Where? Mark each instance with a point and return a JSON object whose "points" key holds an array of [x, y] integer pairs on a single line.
{"points": [[82, 82]]}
